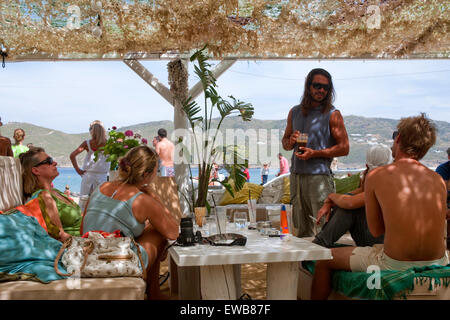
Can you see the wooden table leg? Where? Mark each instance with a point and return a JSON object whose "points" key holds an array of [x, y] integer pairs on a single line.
{"points": [[218, 282], [282, 280], [189, 283]]}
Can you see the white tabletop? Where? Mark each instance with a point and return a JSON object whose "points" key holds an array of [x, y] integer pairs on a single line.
{"points": [[258, 249]]}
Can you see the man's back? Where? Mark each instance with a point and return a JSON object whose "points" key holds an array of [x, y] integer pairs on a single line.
{"points": [[165, 150], [412, 201]]}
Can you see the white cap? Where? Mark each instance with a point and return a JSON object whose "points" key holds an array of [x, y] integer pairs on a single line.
{"points": [[378, 155]]}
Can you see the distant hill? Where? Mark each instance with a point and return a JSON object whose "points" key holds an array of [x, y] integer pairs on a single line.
{"points": [[362, 133]]}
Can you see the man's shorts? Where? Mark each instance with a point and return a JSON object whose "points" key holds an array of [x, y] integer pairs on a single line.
{"points": [[363, 257], [167, 171]]}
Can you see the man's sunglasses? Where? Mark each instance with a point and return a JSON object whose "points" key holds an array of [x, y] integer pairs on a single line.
{"points": [[49, 161], [394, 135], [319, 86]]}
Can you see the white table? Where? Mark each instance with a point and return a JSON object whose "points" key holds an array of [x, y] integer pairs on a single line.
{"points": [[211, 272]]}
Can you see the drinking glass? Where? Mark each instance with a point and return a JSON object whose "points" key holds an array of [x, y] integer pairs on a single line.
{"points": [[302, 140], [240, 220], [252, 210], [220, 213]]}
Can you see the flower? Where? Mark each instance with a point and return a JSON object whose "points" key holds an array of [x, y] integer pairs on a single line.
{"points": [[118, 145]]}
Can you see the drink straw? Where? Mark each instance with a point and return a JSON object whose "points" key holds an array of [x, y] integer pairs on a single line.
{"points": [[217, 216]]}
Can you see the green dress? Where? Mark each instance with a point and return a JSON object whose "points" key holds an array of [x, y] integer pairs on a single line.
{"points": [[69, 214], [18, 149]]}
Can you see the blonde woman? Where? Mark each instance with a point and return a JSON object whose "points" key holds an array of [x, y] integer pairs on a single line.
{"points": [[93, 173], [128, 205], [39, 171], [18, 147]]}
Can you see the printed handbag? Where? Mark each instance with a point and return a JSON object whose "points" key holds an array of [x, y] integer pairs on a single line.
{"points": [[100, 257]]}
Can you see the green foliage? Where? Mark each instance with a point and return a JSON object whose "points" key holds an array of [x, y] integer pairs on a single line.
{"points": [[200, 117], [117, 145]]}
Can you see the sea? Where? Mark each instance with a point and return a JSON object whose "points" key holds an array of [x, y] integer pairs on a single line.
{"points": [[68, 176]]}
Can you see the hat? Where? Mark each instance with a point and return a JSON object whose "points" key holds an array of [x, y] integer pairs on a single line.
{"points": [[377, 156]]}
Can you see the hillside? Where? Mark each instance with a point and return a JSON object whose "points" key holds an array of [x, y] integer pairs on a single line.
{"points": [[362, 133]]}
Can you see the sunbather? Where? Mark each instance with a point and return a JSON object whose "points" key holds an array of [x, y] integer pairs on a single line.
{"points": [[128, 204], [39, 171], [406, 201], [346, 212]]}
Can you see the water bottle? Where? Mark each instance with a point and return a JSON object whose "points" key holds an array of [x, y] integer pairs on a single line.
{"points": [[284, 228]]}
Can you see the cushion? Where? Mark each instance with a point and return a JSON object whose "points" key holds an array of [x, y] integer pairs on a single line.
{"points": [[286, 198], [347, 184], [241, 196], [10, 183]]}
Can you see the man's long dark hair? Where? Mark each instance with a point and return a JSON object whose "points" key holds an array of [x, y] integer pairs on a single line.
{"points": [[306, 102]]}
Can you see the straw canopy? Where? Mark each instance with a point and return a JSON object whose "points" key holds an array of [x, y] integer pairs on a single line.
{"points": [[263, 29]]}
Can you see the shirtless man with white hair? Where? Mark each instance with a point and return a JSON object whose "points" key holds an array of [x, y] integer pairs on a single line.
{"points": [[406, 202]]}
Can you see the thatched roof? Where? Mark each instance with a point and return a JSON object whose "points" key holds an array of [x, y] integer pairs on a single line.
{"points": [[319, 29]]}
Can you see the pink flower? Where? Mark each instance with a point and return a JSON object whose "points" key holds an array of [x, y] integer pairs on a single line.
{"points": [[114, 127], [125, 147], [119, 140], [128, 133], [144, 141]]}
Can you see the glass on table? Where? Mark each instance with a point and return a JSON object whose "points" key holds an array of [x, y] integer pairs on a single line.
{"points": [[240, 220]]}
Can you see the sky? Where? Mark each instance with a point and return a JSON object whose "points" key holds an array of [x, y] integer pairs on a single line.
{"points": [[67, 96]]}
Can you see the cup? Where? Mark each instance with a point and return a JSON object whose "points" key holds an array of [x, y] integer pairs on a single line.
{"points": [[252, 210], [302, 140], [210, 226], [221, 217], [200, 213], [240, 220]]}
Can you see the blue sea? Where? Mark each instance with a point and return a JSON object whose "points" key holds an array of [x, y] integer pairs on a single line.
{"points": [[68, 176]]}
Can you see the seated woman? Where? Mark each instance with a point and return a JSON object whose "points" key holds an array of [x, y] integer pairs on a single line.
{"points": [[128, 205], [39, 170], [346, 212]]}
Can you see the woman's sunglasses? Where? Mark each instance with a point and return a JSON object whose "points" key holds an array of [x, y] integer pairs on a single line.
{"points": [[394, 135], [49, 161], [319, 86]]}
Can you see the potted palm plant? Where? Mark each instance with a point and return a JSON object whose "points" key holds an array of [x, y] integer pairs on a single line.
{"points": [[206, 130]]}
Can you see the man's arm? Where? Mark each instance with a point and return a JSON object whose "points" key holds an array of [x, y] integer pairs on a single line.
{"points": [[346, 201], [373, 209], [339, 133], [289, 138]]}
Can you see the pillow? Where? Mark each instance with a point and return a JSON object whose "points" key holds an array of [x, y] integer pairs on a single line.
{"points": [[347, 184], [286, 198], [241, 196]]}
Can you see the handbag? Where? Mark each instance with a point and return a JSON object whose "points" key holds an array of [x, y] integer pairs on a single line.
{"points": [[99, 257]]}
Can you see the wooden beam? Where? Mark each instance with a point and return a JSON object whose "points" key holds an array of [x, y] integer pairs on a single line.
{"points": [[148, 77]]}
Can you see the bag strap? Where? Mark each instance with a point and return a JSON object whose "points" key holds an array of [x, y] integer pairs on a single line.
{"points": [[144, 273], [88, 247]]}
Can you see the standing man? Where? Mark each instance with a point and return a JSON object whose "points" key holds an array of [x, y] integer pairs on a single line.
{"points": [[5, 145], [284, 165], [406, 202], [165, 150], [311, 179]]}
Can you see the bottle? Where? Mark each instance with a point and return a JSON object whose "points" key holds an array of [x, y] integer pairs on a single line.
{"points": [[284, 229]]}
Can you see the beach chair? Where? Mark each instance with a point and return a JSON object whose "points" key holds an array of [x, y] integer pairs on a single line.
{"points": [[123, 288]]}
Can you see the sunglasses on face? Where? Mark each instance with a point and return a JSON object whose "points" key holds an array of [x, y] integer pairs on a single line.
{"points": [[48, 160], [319, 86], [394, 135]]}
